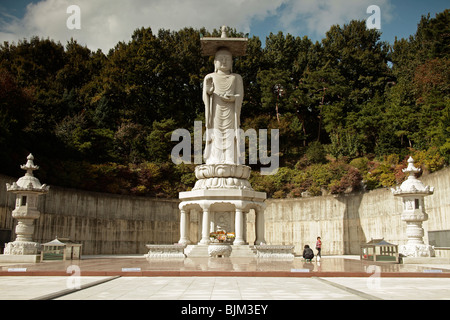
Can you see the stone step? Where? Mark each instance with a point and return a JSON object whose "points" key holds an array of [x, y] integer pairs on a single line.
{"points": [[243, 251], [194, 251]]}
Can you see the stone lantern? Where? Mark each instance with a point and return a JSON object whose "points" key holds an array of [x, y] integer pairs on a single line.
{"points": [[27, 190], [412, 191]]}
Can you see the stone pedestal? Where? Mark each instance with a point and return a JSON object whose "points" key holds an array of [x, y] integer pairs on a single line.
{"points": [[21, 252], [216, 192], [219, 250], [25, 213], [21, 248], [416, 250]]}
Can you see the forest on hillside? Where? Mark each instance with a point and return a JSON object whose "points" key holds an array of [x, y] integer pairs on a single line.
{"points": [[350, 109]]}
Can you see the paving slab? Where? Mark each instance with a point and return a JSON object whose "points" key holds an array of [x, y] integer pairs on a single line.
{"points": [[36, 287], [213, 288]]}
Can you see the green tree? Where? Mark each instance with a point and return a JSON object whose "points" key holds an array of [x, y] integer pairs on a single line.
{"points": [[159, 144], [275, 87]]}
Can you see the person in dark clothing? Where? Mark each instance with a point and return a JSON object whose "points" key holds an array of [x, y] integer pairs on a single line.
{"points": [[308, 254]]}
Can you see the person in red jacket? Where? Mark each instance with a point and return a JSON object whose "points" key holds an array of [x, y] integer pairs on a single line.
{"points": [[319, 248]]}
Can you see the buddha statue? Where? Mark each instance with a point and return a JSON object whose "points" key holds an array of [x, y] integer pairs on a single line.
{"points": [[223, 92]]}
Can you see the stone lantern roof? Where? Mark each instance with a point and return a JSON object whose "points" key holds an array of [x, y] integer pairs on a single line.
{"points": [[28, 182], [210, 45], [412, 185]]}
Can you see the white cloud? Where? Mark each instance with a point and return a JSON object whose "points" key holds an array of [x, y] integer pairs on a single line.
{"points": [[106, 22], [315, 17]]}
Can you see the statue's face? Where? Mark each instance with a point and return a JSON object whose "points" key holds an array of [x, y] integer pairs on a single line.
{"points": [[223, 61]]}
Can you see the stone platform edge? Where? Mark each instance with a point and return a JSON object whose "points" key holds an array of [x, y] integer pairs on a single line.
{"points": [[174, 273]]}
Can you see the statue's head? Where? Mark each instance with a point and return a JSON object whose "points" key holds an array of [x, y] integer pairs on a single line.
{"points": [[223, 60]]}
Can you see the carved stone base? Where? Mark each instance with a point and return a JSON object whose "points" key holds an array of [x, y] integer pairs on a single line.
{"points": [[223, 170], [22, 248], [416, 250], [219, 250], [216, 183], [156, 251], [215, 176], [275, 252]]}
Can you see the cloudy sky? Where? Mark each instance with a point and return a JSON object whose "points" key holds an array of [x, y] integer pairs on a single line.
{"points": [[106, 22]]}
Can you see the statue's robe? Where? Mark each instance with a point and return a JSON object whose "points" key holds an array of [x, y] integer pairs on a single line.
{"points": [[223, 118]]}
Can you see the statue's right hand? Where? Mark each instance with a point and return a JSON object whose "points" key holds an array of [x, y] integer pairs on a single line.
{"points": [[209, 84]]}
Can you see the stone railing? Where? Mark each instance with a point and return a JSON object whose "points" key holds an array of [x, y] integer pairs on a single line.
{"points": [[165, 251], [275, 251]]}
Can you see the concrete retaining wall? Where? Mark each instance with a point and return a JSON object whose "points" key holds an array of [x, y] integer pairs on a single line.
{"points": [[344, 222], [112, 224], [103, 223]]}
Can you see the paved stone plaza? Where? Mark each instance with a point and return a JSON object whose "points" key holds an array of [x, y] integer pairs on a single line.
{"points": [[225, 288], [136, 278]]}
